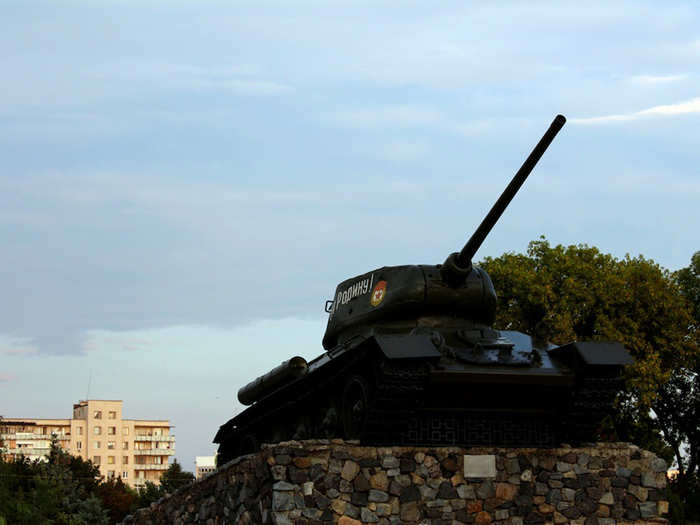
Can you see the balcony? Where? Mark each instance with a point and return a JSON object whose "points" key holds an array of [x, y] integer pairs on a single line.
{"points": [[29, 435], [164, 466], [148, 437], [36, 451], [154, 452]]}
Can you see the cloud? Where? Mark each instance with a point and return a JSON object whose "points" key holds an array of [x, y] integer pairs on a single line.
{"points": [[17, 346], [656, 79], [390, 116], [253, 87], [399, 150], [407, 116], [682, 108], [18, 351], [242, 79], [6, 378]]}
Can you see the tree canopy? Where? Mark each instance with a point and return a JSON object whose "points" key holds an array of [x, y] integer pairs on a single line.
{"points": [[689, 281], [566, 293], [66, 489]]}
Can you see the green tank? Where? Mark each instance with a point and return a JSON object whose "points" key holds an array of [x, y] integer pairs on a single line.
{"points": [[412, 358]]}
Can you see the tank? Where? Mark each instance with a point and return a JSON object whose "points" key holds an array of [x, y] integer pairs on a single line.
{"points": [[412, 358]]}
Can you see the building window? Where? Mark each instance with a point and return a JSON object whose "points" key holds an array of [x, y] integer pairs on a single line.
{"points": [[126, 445], [80, 431], [125, 431], [112, 414], [97, 414], [158, 460], [110, 460], [110, 473], [125, 474], [125, 460], [95, 460], [97, 430], [110, 445], [97, 444], [112, 431], [79, 445]]}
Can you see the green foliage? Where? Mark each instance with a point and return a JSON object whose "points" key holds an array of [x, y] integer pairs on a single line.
{"points": [[571, 293], [684, 504], [689, 281], [148, 493], [117, 497], [566, 293], [67, 490], [171, 480], [174, 478], [49, 492]]}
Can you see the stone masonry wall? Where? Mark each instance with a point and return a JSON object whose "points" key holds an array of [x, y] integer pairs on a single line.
{"points": [[319, 482]]}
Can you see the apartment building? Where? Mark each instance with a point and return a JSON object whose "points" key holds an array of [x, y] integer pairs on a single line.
{"points": [[135, 450], [204, 465]]}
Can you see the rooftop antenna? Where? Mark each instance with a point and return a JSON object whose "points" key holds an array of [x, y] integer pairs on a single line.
{"points": [[87, 396]]}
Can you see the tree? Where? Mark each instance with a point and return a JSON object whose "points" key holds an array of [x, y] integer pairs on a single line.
{"points": [[171, 480], [571, 293], [678, 404], [117, 498], [148, 493], [689, 281], [49, 492], [174, 478]]}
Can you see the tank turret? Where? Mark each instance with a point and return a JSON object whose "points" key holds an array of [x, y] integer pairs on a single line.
{"points": [[412, 358], [402, 297]]}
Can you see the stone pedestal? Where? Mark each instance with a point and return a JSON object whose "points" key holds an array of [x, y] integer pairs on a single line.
{"points": [[317, 482]]}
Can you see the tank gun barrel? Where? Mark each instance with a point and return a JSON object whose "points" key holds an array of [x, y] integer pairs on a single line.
{"points": [[465, 256]]}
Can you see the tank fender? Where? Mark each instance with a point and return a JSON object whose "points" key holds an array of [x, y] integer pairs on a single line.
{"points": [[416, 346], [580, 356]]}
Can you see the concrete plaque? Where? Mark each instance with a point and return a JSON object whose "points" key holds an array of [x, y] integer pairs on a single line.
{"points": [[480, 466]]}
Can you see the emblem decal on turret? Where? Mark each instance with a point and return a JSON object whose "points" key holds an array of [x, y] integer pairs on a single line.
{"points": [[378, 293]]}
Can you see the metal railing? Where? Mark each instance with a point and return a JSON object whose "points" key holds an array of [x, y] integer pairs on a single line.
{"points": [[26, 435], [148, 437], [36, 451], [154, 452]]}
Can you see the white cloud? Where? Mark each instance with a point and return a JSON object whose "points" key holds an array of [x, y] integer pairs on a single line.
{"points": [[682, 108], [390, 116], [243, 79], [252, 87], [656, 79], [16, 346], [18, 351], [401, 150], [422, 117]]}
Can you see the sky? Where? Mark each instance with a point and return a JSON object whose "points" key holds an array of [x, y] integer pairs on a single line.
{"points": [[183, 184]]}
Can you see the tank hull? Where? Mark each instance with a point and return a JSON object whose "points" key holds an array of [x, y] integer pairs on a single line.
{"points": [[417, 390]]}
